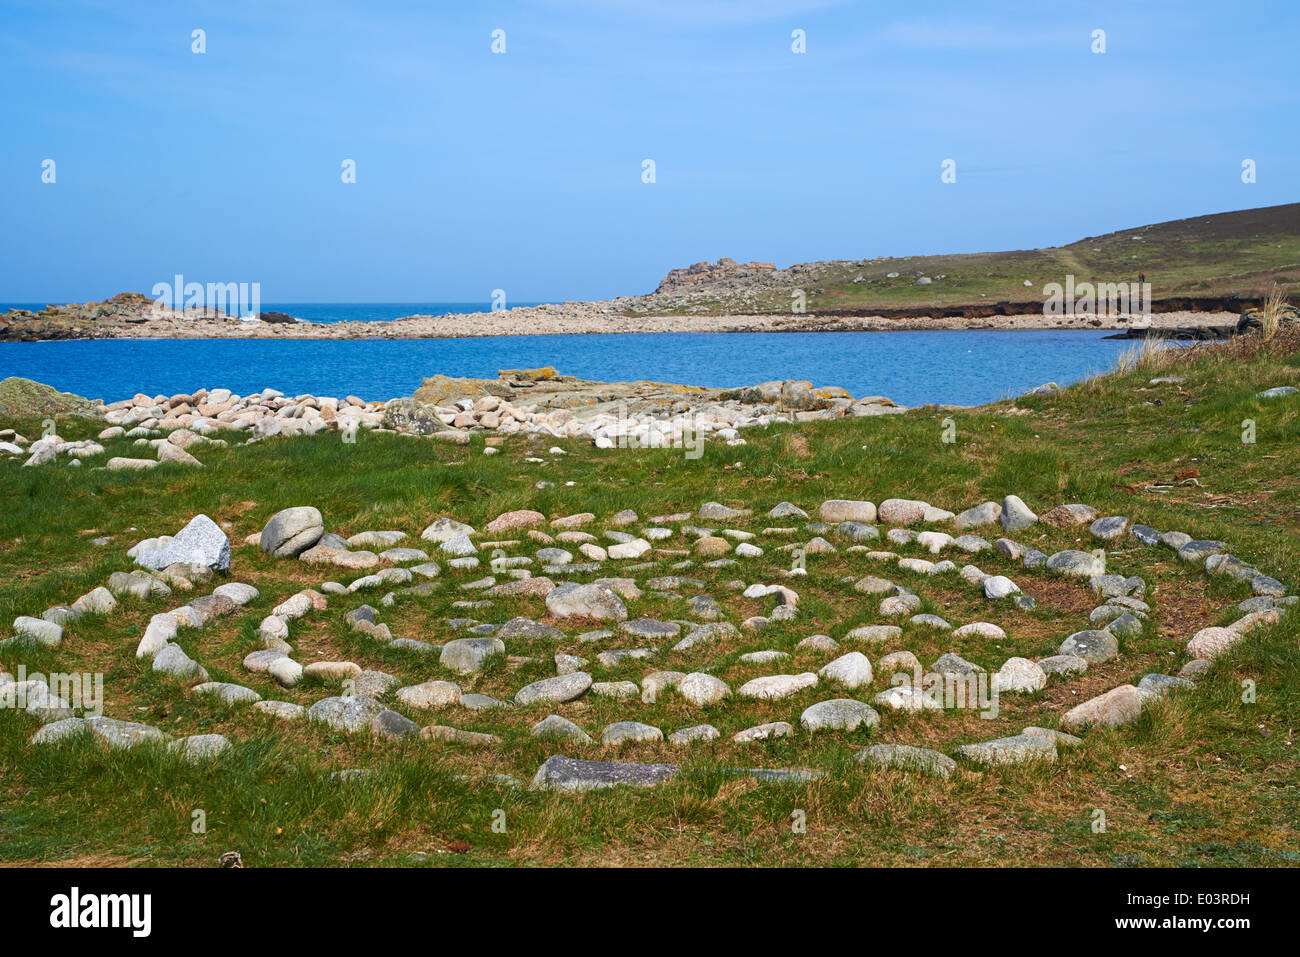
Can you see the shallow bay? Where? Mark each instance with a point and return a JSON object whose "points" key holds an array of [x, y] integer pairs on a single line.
{"points": [[961, 367]]}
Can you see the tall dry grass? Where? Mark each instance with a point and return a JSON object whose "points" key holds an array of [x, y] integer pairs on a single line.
{"points": [[1149, 354], [1277, 337], [1270, 319]]}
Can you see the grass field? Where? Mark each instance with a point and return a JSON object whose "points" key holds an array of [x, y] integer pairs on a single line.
{"points": [[1201, 779]]}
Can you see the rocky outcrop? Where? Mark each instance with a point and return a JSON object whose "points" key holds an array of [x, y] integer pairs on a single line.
{"points": [[702, 274], [615, 414], [126, 314], [1252, 319], [23, 398]]}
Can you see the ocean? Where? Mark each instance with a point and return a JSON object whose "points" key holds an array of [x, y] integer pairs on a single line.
{"points": [[340, 311], [959, 367]]}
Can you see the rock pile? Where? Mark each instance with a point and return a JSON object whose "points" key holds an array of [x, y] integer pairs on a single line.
{"points": [[529, 401]]}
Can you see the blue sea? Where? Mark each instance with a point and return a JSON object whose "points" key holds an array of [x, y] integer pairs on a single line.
{"points": [[964, 367], [340, 311]]}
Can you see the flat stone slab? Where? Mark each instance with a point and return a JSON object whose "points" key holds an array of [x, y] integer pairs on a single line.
{"points": [[558, 689], [557, 728], [284, 710], [227, 693], [352, 713], [616, 656], [874, 634], [839, 714], [906, 757], [449, 735], [467, 655], [1076, 564], [908, 698], [1117, 706], [596, 602], [1110, 528], [955, 665], [703, 690], [625, 732], [1211, 642], [286, 671], [481, 702], [560, 773], [430, 694], [761, 732], [1017, 749], [697, 732], [200, 747], [1019, 675], [716, 512], [240, 593], [901, 511], [897, 605], [1063, 664], [837, 510], [778, 775], [119, 735], [772, 687], [1277, 392], [37, 631], [651, 628], [1159, 684], [1092, 646], [527, 629], [1062, 739], [706, 634], [1196, 552]]}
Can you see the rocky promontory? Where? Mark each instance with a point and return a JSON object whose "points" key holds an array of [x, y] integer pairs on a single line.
{"points": [[129, 315]]}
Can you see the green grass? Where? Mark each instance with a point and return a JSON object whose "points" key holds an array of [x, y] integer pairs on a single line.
{"points": [[1202, 779]]}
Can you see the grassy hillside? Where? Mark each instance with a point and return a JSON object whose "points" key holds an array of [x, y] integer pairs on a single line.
{"points": [[1202, 778], [1239, 254]]}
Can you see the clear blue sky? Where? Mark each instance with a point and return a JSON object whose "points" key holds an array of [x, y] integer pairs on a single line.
{"points": [[522, 171]]}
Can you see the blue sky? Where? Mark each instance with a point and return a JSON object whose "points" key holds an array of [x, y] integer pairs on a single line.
{"points": [[522, 171]]}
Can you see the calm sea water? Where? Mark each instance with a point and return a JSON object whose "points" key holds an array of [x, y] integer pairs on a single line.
{"points": [[912, 368], [341, 311]]}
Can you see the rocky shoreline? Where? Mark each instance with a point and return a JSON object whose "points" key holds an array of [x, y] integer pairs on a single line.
{"points": [[529, 401], [133, 316]]}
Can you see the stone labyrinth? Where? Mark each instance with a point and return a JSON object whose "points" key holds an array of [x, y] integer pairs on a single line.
{"points": [[693, 649]]}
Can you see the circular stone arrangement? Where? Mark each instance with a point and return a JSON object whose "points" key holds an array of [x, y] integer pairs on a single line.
{"points": [[523, 556]]}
